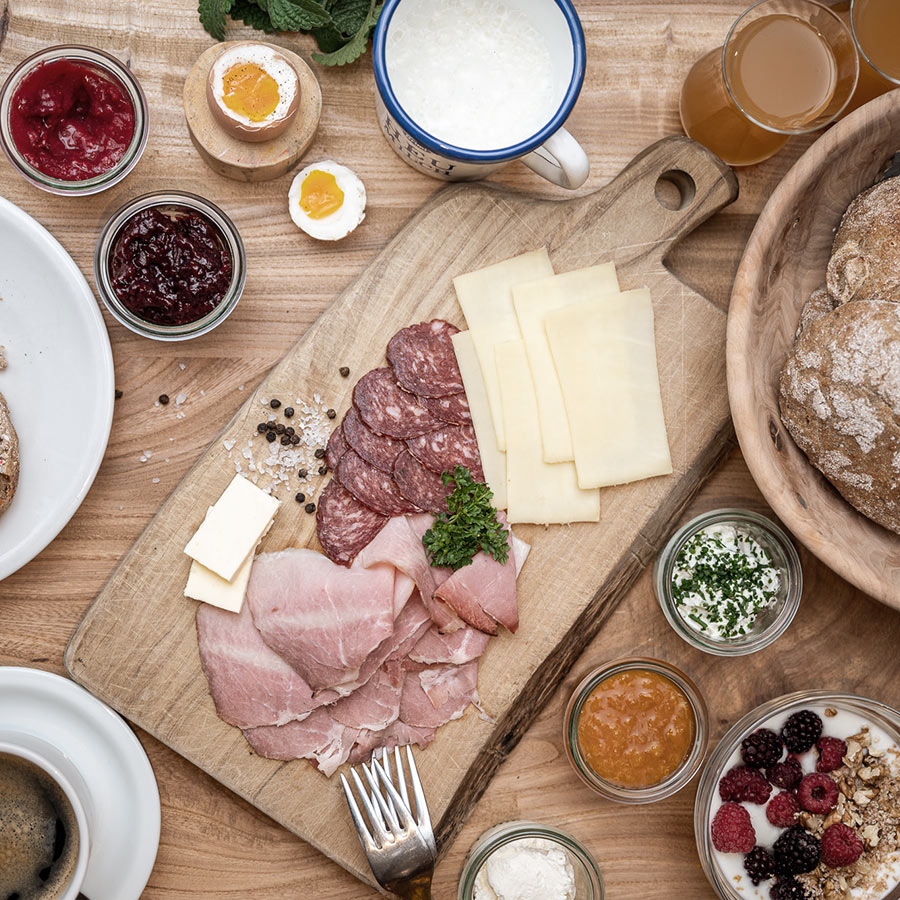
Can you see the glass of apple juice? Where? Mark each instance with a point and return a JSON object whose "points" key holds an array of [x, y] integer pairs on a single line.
{"points": [[786, 67]]}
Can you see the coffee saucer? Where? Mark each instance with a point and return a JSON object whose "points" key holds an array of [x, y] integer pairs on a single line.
{"points": [[112, 762]]}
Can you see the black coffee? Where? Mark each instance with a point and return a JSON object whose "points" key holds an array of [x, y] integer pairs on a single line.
{"points": [[38, 833]]}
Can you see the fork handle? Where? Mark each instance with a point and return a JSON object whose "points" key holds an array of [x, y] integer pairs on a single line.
{"points": [[416, 888]]}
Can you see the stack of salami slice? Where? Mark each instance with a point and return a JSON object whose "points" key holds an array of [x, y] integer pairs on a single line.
{"points": [[408, 424]]}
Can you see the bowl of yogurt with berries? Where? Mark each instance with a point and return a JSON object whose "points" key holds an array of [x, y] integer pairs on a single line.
{"points": [[801, 801]]}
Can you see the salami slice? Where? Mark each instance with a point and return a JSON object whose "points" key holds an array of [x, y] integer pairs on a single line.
{"points": [[371, 486], [335, 448], [448, 447], [453, 409], [344, 525], [419, 484], [423, 359], [376, 449], [388, 409]]}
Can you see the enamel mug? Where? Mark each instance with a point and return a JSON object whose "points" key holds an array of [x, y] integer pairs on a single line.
{"points": [[551, 151]]}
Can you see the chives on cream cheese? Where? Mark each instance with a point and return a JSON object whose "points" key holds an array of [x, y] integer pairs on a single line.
{"points": [[721, 581]]}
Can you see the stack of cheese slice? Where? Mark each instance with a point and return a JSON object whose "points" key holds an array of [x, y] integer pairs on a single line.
{"points": [[223, 546], [562, 380]]}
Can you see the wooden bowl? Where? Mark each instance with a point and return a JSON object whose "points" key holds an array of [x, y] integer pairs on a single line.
{"points": [[783, 262]]}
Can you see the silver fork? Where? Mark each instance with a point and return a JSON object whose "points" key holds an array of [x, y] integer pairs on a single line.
{"points": [[400, 849]]}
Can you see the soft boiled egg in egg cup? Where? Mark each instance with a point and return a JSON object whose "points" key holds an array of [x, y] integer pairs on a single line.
{"points": [[327, 200], [253, 91]]}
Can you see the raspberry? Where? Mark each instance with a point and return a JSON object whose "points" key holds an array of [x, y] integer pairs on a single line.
{"points": [[761, 749], [732, 830], [801, 731], [796, 851], [831, 754], [840, 846], [788, 889], [817, 793], [744, 785], [787, 774], [759, 865], [783, 809]]}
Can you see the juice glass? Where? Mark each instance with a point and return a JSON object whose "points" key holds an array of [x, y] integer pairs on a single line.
{"points": [[876, 31], [786, 67]]}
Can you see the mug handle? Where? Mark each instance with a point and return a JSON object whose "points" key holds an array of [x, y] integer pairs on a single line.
{"points": [[560, 159]]}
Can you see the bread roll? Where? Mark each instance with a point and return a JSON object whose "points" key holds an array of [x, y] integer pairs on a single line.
{"points": [[9, 457]]}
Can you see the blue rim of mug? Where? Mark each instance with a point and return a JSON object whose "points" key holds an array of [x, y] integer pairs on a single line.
{"points": [[383, 84]]}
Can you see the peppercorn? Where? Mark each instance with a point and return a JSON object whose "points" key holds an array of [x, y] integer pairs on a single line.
{"points": [[310, 507], [270, 426], [164, 399], [330, 413], [279, 428], [270, 436], [285, 440], [261, 428], [118, 394], [295, 439], [302, 473], [288, 412], [344, 371], [300, 498], [289, 430], [319, 454], [274, 404], [323, 470]]}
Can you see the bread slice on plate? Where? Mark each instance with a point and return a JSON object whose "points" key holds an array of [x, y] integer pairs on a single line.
{"points": [[9, 457]]}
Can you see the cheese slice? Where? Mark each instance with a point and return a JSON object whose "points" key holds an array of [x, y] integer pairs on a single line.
{"points": [[232, 528], [493, 462], [533, 301], [605, 354], [486, 300], [536, 491], [206, 586]]}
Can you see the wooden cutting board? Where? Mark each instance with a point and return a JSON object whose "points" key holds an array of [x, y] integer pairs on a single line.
{"points": [[136, 647]]}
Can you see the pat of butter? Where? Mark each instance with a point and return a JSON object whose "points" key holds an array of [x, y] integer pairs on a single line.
{"points": [[232, 528], [207, 587]]}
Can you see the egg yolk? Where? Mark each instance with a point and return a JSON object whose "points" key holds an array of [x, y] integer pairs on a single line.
{"points": [[250, 91], [320, 195]]}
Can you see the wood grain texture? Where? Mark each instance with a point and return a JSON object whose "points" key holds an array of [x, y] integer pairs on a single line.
{"points": [[783, 263], [136, 648], [216, 846]]}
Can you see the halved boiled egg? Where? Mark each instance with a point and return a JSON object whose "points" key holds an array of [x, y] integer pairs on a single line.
{"points": [[253, 91], [327, 201]]}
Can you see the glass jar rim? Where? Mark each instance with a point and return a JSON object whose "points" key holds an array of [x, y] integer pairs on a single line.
{"points": [[685, 770], [100, 59], [230, 235], [744, 112], [891, 78], [792, 572]]}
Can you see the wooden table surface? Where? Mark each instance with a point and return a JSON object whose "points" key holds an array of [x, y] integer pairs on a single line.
{"points": [[215, 846]]}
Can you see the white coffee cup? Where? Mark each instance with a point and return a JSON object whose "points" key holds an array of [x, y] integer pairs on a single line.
{"points": [[60, 768], [550, 151]]}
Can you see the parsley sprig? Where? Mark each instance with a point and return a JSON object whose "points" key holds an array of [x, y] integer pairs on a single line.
{"points": [[469, 526], [341, 27]]}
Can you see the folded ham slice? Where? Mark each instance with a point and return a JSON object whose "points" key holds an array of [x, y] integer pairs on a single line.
{"points": [[456, 648], [398, 734], [323, 619], [250, 683], [433, 697], [376, 704]]}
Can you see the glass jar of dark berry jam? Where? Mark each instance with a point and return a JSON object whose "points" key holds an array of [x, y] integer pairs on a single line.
{"points": [[170, 266], [73, 120]]}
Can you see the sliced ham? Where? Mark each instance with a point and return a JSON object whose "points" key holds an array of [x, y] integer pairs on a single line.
{"points": [[323, 619], [376, 704], [318, 737], [250, 683], [398, 734], [452, 688], [456, 648]]}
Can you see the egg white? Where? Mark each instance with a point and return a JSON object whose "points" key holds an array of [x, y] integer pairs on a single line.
{"points": [[270, 61], [341, 222]]}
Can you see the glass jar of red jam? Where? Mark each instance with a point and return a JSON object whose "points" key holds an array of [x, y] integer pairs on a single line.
{"points": [[73, 120], [170, 266]]}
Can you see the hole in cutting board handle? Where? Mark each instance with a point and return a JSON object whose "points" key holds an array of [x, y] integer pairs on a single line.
{"points": [[675, 189]]}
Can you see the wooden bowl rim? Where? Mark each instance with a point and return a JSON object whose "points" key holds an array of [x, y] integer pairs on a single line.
{"points": [[758, 448]]}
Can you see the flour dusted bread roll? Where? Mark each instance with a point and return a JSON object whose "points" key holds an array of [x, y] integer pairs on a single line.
{"points": [[818, 305], [840, 401], [9, 457], [865, 256]]}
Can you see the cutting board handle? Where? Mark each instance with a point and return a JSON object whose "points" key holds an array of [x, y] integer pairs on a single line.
{"points": [[664, 193]]}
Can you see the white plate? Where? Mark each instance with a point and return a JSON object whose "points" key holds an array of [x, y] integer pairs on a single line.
{"points": [[59, 384], [112, 762]]}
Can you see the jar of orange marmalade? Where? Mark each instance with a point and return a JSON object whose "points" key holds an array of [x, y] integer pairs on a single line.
{"points": [[636, 730]]}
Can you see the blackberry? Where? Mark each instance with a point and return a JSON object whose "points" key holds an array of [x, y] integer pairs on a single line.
{"points": [[786, 775], [801, 731], [796, 851], [761, 749], [788, 889], [759, 864]]}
